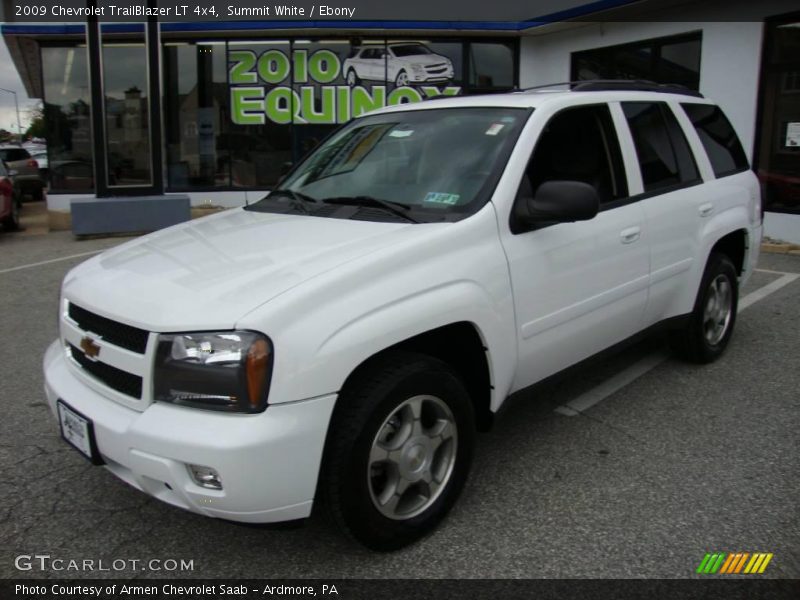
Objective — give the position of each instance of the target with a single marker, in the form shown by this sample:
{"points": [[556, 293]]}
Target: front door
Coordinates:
{"points": [[578, 287]]}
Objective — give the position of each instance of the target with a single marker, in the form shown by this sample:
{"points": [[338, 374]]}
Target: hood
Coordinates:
{"points": [[208, 273], [426, 59]]}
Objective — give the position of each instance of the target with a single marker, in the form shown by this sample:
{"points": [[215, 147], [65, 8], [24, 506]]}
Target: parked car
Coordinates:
{"points": [[371, 314], [40, 156], [28, 177], [405, 63], [9, 200]]}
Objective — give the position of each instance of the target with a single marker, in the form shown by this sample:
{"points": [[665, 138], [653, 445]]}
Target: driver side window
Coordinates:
{"points": [[578, 144]]}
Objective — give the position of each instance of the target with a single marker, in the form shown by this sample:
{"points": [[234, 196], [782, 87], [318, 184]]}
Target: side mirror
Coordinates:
{"points": [[562, 202]]}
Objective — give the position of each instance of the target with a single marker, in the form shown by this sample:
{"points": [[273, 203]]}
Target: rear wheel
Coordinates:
{"points": [[707, 332], [399, 450]]}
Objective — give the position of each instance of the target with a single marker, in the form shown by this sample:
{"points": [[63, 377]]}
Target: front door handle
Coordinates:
{"points": [[630, 235], [705, 209]]}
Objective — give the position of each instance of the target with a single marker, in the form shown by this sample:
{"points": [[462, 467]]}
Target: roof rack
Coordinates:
{"points": [[606, 85]]}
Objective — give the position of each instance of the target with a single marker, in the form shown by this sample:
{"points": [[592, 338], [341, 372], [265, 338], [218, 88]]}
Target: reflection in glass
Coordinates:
{"points": [[196, 100], [779, 122], [258, 150], [68, 118], [491, 65], [127, 115]]}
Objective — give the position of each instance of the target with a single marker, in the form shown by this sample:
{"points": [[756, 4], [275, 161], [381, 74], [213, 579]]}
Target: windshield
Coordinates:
{"points": [[410, 50], [430, 162]]}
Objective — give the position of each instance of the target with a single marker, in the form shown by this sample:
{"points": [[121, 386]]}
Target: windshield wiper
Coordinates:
{"points": [[299, 200], [396, 208]]}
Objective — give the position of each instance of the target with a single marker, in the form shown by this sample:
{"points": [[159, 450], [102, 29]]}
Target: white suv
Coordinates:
{"points": [[345, 337]]}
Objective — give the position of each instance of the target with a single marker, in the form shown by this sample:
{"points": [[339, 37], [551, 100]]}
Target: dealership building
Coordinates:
{"points": [[144, 120]]}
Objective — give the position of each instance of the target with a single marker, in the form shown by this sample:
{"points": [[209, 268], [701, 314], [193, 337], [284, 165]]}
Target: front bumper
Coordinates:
{"points": [[268, 462]]}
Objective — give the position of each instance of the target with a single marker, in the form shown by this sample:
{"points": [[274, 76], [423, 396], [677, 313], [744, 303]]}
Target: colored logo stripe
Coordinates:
{"points": [[734, 563]]}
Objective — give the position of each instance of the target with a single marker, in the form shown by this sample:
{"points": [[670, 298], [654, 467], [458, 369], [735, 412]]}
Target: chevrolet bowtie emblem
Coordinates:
{"points": [[90, 348]]}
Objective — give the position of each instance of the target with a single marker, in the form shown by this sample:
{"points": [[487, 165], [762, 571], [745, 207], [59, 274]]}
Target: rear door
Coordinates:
{"points": [[673, 202], [578, 287]]}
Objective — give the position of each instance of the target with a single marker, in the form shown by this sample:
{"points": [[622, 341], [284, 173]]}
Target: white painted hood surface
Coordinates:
{"points": [[208, 273]]}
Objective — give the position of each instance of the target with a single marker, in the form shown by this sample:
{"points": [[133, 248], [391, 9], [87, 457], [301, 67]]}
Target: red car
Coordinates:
{"points": [[780, 188], [9, 200]]}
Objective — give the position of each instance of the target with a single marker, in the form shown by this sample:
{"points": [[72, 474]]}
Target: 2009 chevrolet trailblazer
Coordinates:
{"points": [[345, 337]]}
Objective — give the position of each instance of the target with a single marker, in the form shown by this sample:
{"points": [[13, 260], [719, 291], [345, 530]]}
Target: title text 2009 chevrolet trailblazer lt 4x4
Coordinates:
{"points": [[345, 337]]}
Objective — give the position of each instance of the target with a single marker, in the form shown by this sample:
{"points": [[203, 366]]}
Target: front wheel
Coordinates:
{"points": [[401, 80], [707, 332], [352, 78], [399, 450]]}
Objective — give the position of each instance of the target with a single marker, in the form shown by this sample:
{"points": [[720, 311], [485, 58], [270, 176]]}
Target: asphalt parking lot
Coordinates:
{"points": [[664, 467]]}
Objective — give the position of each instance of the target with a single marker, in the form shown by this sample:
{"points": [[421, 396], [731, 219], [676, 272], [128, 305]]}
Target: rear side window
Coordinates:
{"points": [[665, 158], [12, 154], [719, 139]]}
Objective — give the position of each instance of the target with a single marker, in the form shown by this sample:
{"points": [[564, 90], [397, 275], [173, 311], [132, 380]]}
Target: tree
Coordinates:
{"points": [[37, 128]]}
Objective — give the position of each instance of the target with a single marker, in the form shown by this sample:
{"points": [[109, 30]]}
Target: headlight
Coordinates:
{"points": [[417, 67], [219, 370]]}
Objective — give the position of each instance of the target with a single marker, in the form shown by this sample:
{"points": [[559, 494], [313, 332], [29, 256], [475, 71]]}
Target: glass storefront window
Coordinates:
{"points": [[196, 102], [778, 146], [491, 66], [258, 135], [673, 59], [127, 114], [67, 117]]}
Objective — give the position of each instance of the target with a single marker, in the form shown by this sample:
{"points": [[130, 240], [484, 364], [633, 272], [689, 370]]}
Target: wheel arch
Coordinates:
{"points": [[462, 346]]}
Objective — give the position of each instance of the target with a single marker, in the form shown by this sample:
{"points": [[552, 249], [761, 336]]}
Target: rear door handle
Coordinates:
{"points": [[705, 209], [630, 235]]}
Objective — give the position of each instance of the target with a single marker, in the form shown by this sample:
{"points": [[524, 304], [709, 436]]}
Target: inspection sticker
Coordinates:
{"points": [[401, 133], [494, 128], [441, 198]]}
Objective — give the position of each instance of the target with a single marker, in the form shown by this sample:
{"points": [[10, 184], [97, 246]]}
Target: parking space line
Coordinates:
{"points": [[52, 260], [768, 289], [627, 376]]}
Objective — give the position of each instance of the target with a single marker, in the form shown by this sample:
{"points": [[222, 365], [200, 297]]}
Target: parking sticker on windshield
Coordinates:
{"points": [[494, 128], [441, 198], [401, 133]]}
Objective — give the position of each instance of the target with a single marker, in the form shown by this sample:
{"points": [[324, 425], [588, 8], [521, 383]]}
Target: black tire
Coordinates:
{"points": [[362, 413], [11, 222], [692, 342]]}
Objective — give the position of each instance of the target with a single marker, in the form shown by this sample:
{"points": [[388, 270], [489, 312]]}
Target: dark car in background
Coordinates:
{"points": [[25, 170]]}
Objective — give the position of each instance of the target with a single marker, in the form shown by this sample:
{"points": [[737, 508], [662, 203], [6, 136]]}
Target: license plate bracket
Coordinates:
{"points": [[78, 431]]}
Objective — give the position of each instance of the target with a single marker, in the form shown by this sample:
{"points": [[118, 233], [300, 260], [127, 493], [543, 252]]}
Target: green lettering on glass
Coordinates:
{"points": [[273, 66], [324, 66], [278, 105], [431, 91], [242, 69], [327, 97], [403, 95], [247, 105], [364, 100], [342, 104], [300, 66]]}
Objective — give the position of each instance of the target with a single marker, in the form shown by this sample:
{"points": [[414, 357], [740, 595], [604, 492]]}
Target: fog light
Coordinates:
{"points": [[205, 477]]}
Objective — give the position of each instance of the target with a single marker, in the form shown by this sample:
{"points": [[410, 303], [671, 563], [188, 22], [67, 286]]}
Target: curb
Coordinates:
{"points": [[774, 248]]}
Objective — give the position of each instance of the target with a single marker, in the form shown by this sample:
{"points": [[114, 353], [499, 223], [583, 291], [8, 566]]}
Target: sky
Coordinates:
{"points": [[9, 79]]}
